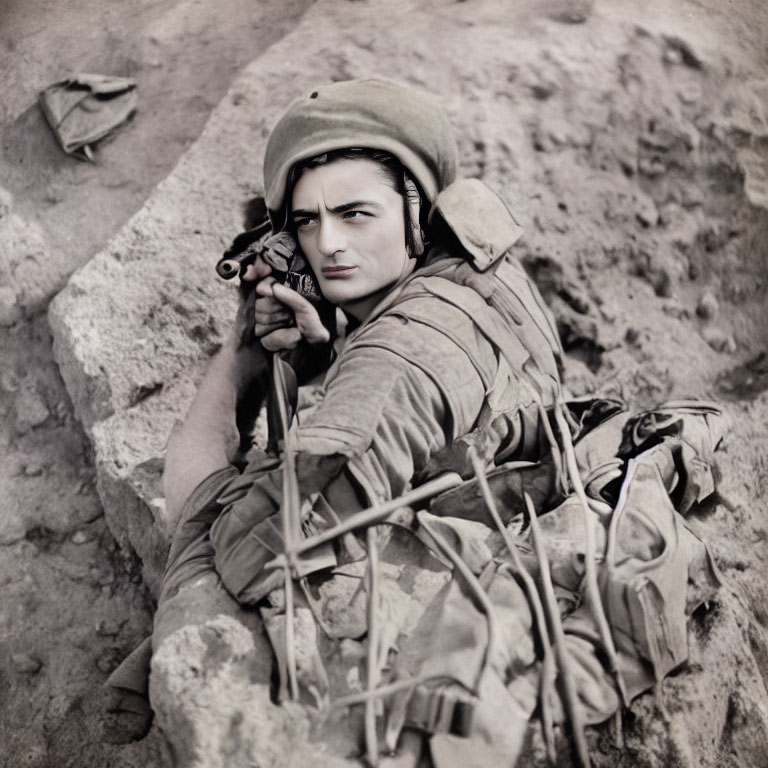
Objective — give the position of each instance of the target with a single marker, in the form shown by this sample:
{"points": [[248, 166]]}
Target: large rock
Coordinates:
{"points": [[26, 282], [205, 669], [130, 446], [595, 133]]}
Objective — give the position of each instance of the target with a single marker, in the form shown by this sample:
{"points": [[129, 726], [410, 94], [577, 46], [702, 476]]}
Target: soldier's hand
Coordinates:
{"points": [[256, 271], [244, 322], [269, 313], [304, 319]]}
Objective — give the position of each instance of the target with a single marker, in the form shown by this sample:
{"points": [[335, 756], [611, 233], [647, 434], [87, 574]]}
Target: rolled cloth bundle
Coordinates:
{"points": [[375, 114]]}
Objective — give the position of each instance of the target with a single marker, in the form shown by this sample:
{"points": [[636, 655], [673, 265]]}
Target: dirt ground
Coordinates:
{"points": [[73, 604]]}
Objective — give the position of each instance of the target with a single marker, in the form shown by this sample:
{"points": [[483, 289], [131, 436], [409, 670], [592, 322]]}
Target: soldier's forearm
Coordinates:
{"points": [[208, 439]]}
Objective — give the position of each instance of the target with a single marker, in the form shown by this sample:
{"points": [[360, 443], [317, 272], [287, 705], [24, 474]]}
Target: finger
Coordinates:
{"points": [[307, 319], [269, 304], [257, 271], [273, 318], [285, 338], [262, 329], [250, 273], [264, 286]]}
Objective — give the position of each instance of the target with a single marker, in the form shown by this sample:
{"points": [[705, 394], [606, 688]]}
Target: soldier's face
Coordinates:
{"points": [[351, 227]]}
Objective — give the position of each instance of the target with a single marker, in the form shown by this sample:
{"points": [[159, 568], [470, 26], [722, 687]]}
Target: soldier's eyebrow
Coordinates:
{"points": [[343, 208]]}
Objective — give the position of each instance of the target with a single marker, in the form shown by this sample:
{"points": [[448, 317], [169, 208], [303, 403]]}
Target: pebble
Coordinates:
{"points": [[24, 662], [32, 468], [673, 56], [108, 627], [353, 680], [679, 51], [718, 339], [632, 335], [646, 211], [662, 284], [708, 306], [674, 308], [651, 166], [107, 579], [53, 194], [6, 202], [608, 315], [107, 660], [570, 11], [691, 196], [31, 410], [351, 650], [9, 381], [10, 311], [80, 537], [690, 93]]}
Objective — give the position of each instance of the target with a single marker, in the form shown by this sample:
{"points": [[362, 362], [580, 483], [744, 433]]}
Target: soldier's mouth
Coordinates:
{"points": [[337, 270]]}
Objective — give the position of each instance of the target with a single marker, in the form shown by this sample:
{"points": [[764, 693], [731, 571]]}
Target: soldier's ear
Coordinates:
{"points": [[414, 212]]}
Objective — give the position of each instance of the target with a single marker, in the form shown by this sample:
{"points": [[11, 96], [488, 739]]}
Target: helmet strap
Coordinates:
{"points": [[413, 200]]}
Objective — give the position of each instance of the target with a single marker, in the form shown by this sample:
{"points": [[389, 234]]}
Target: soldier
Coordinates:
{"points": [[447, 360]]}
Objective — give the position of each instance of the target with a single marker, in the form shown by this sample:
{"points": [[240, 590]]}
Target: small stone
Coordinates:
{"points": [[353, 679], [689, 94], [651, 166], [351, 650], [631, 336], [26, 663], [673, 56], [646, 211], [708, 306], [61, 411], [540, 140], [570, 11], [542, 91], [679, 51], [674, 308], [80, 537], [6, 202], [607, 314], [718, 339], [754, 166], [53, 195], [691, 196], [662, 283], [9, 381], [108, 627], [108, 660], [31, 410], [110, 546], [10, 311], [32, 468], [25, 266]]}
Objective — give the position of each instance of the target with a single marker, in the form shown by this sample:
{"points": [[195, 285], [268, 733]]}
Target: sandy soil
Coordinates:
{"points": [[73, 604]]}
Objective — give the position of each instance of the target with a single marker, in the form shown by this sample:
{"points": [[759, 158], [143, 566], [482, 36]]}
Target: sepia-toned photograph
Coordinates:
{"points": [[384, 383]]}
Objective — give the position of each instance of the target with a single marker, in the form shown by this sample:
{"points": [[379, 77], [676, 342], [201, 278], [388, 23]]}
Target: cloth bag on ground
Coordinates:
{"points": [[84, 108]]}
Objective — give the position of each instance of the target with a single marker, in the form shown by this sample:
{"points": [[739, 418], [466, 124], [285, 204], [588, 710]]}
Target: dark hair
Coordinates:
{"points": [[391, 167]]}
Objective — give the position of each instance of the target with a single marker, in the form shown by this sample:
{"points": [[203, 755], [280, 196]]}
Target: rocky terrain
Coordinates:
{"points": [[631, 145]]}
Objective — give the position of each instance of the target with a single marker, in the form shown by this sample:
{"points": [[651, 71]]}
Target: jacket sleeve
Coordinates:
{"points": [[379, 420]]}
